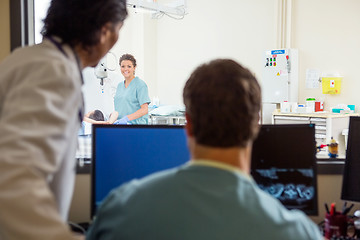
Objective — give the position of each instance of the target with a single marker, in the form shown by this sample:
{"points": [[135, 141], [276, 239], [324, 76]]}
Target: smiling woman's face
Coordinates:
{"points": [[127, 69]]}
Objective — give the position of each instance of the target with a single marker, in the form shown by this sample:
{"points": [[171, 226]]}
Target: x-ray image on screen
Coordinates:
{"points": [[293, 187], [284, 165]]}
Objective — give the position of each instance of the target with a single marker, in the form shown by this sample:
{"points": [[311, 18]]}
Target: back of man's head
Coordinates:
{"points": [[223, 100]]}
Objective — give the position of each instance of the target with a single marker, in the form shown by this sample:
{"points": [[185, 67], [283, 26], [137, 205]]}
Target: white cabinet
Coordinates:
{"points": [[327, 125]]}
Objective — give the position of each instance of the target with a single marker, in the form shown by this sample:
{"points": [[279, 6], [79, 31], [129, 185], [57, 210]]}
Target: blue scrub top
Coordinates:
{"points": [[129, 100]]}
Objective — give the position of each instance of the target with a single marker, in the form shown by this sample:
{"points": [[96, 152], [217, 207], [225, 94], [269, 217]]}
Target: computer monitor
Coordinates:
{"points": [[351, 176], [284, 165], [124, 152]]}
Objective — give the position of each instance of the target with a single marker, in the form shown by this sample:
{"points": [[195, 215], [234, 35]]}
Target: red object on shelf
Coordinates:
{"points": [[319, 106]]}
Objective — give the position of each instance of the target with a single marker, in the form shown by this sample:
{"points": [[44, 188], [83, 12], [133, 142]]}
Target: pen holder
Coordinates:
{"points": [[335, 225]]}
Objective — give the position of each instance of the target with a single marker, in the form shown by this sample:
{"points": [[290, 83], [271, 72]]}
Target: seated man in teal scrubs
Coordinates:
{"points": [[213, 196]]}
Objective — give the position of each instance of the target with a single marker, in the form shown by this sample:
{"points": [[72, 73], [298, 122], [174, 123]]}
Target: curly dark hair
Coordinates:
{"points": [[128, 57], [223, 101], [80, 21]]}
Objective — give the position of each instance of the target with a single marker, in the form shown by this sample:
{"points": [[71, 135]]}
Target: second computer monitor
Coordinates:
{"points": [[351, 177], [284, 165]]}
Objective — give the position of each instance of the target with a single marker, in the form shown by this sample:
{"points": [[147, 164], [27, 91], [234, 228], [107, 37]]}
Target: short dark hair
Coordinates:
{"points": [[97, 115], [128, 57], [80, 21], [223, 101]]}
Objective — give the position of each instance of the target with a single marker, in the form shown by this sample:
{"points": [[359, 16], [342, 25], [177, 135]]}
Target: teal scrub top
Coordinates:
{"points": [[196, 202], [129, 100]]}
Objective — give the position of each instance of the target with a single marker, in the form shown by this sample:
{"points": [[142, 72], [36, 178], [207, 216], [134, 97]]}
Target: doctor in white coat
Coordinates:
{"points": [[41, 108]]}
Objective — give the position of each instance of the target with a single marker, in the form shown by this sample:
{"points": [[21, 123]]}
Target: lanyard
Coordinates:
{"points": [[61, 49], [58, 45]]}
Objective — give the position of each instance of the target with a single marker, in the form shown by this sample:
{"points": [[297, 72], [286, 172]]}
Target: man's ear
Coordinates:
{"points": [[105, 31], [188, 126]]}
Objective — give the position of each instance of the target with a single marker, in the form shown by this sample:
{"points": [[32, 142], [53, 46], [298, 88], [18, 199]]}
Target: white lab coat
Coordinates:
{"points": [[40, 100]]}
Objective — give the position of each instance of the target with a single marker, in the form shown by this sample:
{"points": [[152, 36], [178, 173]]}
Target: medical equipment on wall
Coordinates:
{"points": [[175, 8], [331, 83], [101, 69], [280, 76], [279, 80]]}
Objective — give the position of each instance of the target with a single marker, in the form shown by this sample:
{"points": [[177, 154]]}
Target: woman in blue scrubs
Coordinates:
{"points": [[132, 98]]}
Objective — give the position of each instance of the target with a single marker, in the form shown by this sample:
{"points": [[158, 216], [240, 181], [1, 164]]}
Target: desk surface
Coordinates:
{"points": [[83, 165], [330, 166], [324, 166]]}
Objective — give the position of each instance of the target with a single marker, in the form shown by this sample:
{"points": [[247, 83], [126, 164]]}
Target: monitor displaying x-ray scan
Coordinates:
{"points": [[284, 165]]}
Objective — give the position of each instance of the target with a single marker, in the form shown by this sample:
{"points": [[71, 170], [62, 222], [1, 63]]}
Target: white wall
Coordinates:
{"points": [[168, 50], [240, 30], [327, 34]]}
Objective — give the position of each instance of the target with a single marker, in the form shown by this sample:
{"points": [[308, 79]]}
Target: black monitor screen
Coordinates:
{"points": [[351, 177], [124, 152], [284, 165]]}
